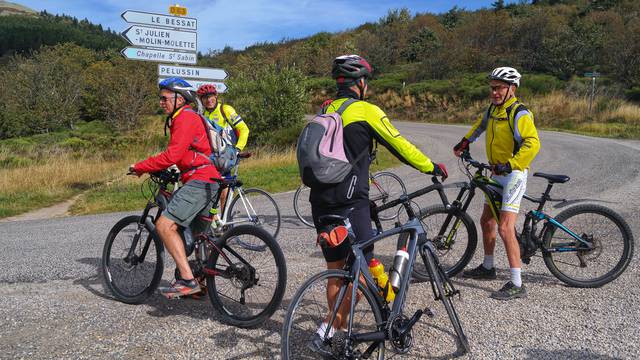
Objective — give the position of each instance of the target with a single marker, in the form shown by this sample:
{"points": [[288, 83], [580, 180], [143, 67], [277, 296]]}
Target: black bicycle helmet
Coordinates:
{"points": [[350, 67]]}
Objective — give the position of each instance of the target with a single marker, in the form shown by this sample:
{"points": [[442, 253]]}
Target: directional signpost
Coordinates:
{"points": [[169, 39], [133, 53], [593, 76], [145, 18], [192, 72]]}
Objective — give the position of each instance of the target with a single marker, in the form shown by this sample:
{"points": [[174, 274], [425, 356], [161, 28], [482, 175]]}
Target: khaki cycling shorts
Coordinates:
{"points": [[191, 201]]}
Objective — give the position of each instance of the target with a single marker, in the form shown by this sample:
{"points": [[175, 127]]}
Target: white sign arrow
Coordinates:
{"points": [[191, 72], [221, 87], [161, 38], [145, 18], [133, 53]]}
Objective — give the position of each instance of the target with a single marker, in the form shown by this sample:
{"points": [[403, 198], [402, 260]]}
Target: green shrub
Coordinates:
{"points": [[269, 99], [76, 144], [11, 162]]}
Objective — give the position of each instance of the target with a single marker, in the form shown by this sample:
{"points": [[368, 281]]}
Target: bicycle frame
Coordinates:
{"points": [[359, 270]]}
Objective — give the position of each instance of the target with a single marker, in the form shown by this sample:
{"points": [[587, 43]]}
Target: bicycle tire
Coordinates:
{"points": [[302, 207], [296, 332], [555, 261], [240, 265], [115, 270], [385, 187], [444, 293], [453, 258], [265, 212]]}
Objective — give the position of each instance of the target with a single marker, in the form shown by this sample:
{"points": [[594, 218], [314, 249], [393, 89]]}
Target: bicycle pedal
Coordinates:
{"points": [[429, 312], [526, 261]]}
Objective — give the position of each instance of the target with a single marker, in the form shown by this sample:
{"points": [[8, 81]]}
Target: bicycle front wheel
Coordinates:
{"points": [[132, 272], [246, 276], [309, 309], [604, 253], [454, 244], [383, 188], [257, 207], [443, 291], [302, 206]]}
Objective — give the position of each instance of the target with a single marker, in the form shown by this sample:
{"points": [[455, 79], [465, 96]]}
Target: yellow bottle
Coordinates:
{"points": [[381, 278]]}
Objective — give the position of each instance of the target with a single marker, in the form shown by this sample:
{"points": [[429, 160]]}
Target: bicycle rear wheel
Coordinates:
{"points": [[443, 290], [383, 188], [578, 265], [302, 206], [308, 309], [454, 244], [257, 207], [132, 277], [246, 276]]}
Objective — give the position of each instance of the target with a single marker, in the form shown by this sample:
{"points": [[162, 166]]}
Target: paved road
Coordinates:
{"points": [[54, 306]]}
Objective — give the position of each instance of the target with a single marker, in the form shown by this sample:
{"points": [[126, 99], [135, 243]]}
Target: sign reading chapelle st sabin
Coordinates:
{"points": [[169, 39]]}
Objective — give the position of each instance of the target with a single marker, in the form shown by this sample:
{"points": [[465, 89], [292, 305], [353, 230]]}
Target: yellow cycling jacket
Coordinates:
{"points": [[232, 121], [383, 131], [511, 134]]}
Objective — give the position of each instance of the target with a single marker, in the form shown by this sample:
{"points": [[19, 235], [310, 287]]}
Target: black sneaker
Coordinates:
{"points": [[320, 347], [480, 272], [510, 291]]}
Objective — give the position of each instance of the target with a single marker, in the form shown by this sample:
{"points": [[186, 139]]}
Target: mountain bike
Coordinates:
{"points": [[245, 283], [585, 245], [253, 206], [371, 321]]}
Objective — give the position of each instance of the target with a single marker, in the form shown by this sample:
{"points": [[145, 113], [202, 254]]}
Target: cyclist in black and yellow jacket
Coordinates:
{"points": [[363, 124], [228, 119], [512, 143]]}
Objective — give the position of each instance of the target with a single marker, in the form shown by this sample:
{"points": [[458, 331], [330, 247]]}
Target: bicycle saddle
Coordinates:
{"points": [[553, 178], [227, 182], [244, 155]]}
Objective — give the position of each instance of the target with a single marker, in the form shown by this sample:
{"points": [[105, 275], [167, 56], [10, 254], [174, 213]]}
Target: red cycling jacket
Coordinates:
{"points": [[187, 134]]}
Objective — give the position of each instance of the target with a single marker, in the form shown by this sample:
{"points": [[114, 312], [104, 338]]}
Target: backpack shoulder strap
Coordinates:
{"points": [[512, 112], [345, 105], [224, 116]]}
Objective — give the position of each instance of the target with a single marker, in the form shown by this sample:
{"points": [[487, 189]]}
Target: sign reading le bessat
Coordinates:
{"points": [[145, 18], [192, 72], [161, 38]]}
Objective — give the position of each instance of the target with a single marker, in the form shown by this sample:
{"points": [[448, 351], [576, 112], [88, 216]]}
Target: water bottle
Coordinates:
{"points": [[215, 222], [381, 278], [400, 262]]}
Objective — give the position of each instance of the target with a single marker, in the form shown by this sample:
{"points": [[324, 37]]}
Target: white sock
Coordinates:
{"points": [[488, 262], [516, 279], [323, 329]]}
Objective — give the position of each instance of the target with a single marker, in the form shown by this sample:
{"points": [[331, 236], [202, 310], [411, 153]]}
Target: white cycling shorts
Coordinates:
{"points": [[514, 185]]}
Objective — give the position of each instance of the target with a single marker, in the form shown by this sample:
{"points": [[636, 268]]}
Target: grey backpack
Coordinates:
{"points": [[321, 157]]}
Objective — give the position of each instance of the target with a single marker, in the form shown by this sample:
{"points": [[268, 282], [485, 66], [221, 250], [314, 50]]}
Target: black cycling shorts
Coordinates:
{"points": [[360, 219]]}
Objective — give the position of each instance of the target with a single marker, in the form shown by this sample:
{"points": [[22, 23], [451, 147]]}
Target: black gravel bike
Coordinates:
{"points": [[244, 267], [585, 245], [371, 323]]}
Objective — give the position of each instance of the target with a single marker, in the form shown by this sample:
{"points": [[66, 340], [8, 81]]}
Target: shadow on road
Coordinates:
{"points": [[565, 354]]}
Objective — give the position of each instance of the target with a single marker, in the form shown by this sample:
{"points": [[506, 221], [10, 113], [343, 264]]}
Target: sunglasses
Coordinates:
{"points": [[165, 99], [498, 88]]}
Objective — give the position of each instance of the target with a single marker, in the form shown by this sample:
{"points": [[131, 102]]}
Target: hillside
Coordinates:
{"points": [[9, 8], [22, 30]]}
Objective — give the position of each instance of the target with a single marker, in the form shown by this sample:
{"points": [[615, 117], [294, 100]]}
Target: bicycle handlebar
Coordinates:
{"points": [[466, 156]]}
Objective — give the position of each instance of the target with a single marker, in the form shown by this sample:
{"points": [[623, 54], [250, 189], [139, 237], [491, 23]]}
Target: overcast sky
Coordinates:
{"points": [[241, 23]]}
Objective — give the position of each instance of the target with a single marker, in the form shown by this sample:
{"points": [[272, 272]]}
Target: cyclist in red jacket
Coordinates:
{"points": [[189, 150]]}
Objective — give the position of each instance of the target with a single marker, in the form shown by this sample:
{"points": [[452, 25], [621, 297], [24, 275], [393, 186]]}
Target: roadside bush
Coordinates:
{"points": [[269, 99]]}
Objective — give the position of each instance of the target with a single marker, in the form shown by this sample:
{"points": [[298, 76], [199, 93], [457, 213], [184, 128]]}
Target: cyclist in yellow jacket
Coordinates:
{"points": [[512, 143], [227, 118]]}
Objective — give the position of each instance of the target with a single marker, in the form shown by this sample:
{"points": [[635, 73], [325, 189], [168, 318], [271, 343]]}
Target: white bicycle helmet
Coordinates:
{"points": [[506, 74]]}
